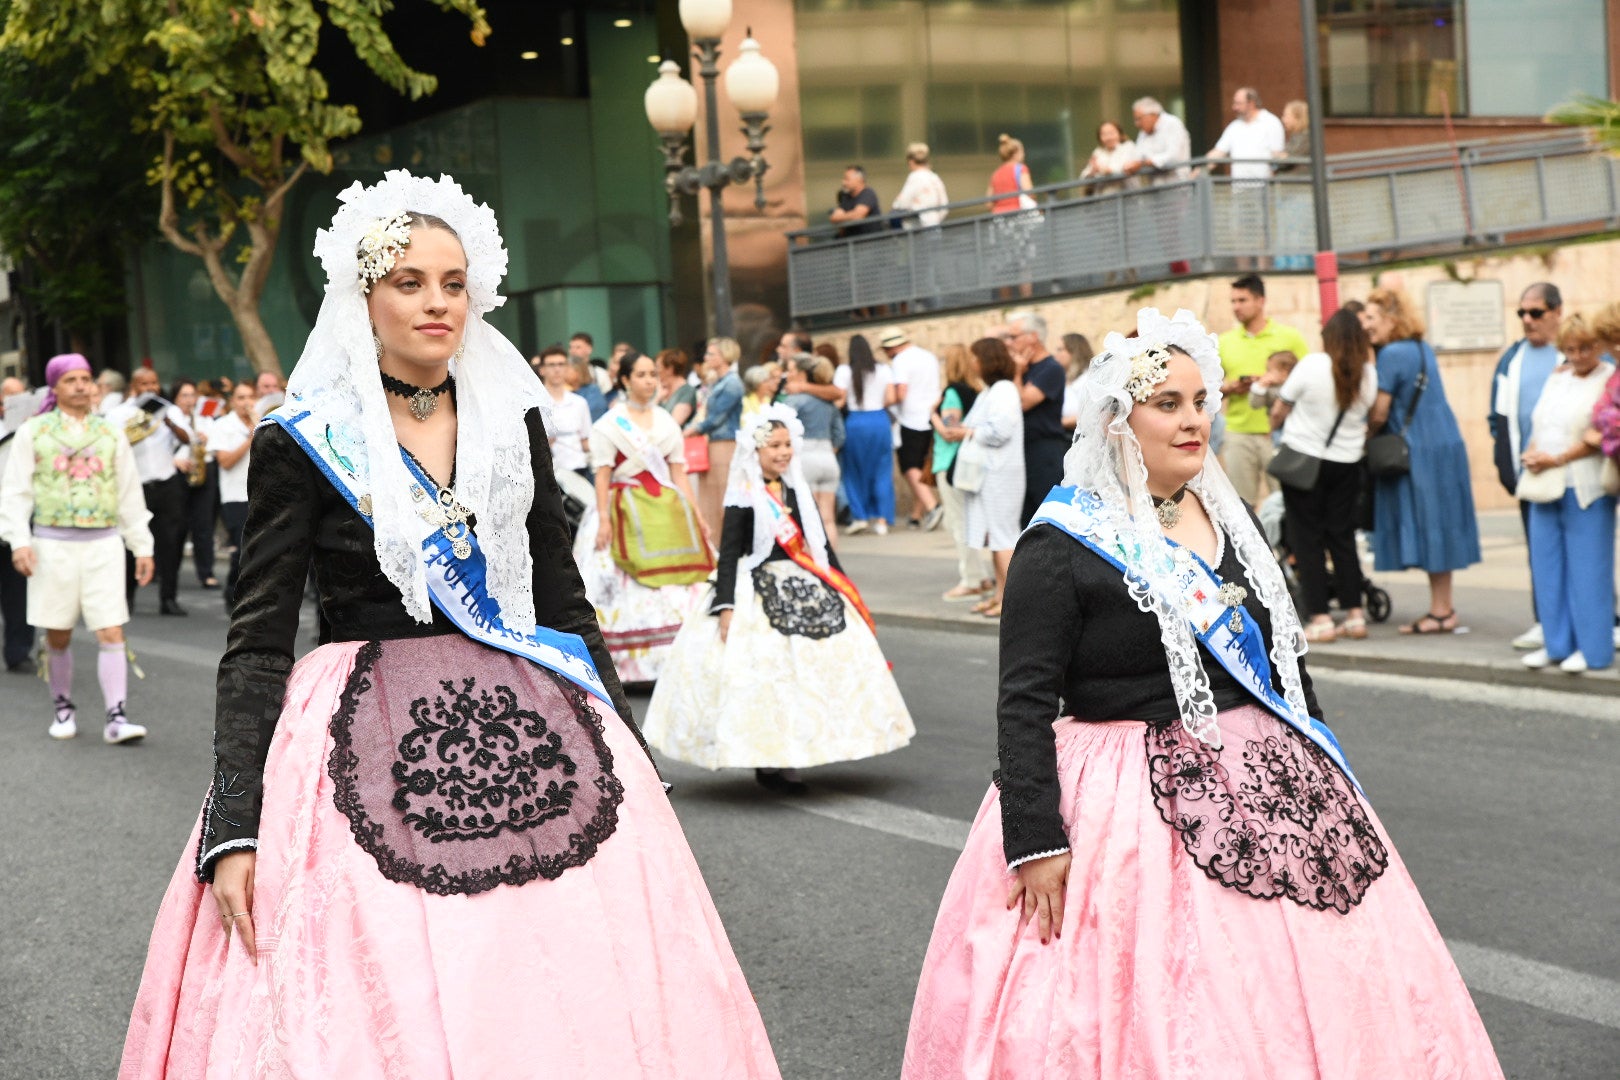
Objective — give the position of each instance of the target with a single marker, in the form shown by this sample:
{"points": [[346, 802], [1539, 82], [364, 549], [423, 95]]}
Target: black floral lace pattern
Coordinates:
{"points": [[1270, 816], [467, 755], [482, 790], [799, 604]]}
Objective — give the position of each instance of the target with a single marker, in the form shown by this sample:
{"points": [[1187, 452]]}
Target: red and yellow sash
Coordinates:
{"points": [[791, 539]]}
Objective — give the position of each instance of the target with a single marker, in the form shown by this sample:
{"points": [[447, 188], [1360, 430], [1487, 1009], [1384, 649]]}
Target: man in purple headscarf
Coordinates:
{"points": [[70, 502]]}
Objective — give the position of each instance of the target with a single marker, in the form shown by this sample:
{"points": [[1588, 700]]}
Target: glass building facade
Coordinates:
{"points": [[955, 74], [1481, 58], [573, 173]]}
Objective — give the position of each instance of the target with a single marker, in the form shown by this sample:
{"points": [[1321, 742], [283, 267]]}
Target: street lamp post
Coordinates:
{"points": [[1327, 260], [671, 104]]}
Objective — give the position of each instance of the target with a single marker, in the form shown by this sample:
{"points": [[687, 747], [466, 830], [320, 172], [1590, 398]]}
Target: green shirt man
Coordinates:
{"points": [[1243, 356]]}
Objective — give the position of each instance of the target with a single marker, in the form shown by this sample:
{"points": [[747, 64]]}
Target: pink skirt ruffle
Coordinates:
{"points": [[618, 968], [1165, 973]]}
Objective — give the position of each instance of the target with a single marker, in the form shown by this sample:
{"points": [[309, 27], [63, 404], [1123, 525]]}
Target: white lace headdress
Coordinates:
{"points": [[1107, 459], [337, 378], [745, 485]]}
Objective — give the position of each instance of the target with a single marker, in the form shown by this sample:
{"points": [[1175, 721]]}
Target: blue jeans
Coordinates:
{"points": [[868, 464], [1572, 564]]}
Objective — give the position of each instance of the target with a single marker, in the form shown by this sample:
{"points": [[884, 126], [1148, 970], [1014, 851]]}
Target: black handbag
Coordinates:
{"points": [[1297, 469], [1388, 455]]}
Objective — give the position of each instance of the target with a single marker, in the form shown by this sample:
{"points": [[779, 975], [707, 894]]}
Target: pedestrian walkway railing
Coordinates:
{"points": [[1087, 235]]}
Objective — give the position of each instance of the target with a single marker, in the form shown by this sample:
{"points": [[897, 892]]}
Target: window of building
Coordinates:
{"points": [[1464, 57]]}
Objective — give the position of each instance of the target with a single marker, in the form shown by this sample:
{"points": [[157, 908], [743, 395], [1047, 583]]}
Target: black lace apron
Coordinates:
{"points": [[461, 767]]}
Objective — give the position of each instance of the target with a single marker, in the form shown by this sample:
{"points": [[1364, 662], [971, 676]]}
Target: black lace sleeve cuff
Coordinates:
{"points": [[736, 540], [1041, 617]]}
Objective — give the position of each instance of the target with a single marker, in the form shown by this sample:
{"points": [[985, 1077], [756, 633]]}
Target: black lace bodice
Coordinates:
{"points": [[297, 520], [1073, 643], [737, 540]]}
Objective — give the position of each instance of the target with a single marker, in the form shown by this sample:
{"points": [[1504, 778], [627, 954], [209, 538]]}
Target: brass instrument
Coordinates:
{"points": [[199, 458]]}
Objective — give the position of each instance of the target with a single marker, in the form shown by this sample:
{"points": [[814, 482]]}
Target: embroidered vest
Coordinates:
{"points": [[75, 481]]}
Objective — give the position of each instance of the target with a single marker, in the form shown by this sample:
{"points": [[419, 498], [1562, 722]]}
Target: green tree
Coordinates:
{"points": [[1599, 114], [234, 95], [73, 196]]}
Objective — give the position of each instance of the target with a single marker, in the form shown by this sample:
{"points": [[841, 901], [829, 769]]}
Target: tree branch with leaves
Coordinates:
{"points": [[238, 100]]}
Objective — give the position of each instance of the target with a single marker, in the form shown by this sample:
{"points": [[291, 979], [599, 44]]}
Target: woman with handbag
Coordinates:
{"points": [[1571, 515], [989, 467], [1424, 503], [1325, 403]]}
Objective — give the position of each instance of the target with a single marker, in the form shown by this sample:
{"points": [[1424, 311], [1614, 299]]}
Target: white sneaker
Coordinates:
{"points": [[1538, 659], [1573, 664], [880, 528], [1532, 638], [120, 730], [66, 724], [854, 527]]}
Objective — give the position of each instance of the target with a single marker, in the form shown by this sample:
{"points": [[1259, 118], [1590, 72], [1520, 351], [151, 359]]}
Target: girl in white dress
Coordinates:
{"points": [[784, 671]]}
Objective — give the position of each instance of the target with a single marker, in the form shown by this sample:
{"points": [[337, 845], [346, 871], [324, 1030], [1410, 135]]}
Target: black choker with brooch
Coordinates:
{"points": [[423, 399], [1169, 510]]}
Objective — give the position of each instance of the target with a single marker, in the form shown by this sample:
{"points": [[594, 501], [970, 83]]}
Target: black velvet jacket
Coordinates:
{"points": [[296, 518], [1074, 643], [737, 541]]}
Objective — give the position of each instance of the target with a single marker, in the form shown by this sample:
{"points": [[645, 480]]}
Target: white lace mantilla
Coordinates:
{"points": [[337, 377], [1107, 459]]}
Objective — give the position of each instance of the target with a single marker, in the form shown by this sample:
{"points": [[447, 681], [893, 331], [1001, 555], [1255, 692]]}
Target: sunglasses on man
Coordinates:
{"points": [[1532, 312]]}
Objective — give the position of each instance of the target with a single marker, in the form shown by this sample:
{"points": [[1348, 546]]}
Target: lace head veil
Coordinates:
{"points": [[337, 378], [1106, 458], [745, 486]]}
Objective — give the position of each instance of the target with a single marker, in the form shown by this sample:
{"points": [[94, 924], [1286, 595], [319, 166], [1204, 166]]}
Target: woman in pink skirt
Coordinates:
{"points": [[1176, 874], [436, 844]]}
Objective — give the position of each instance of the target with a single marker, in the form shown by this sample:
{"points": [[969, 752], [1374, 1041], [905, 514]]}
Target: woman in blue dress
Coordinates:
{"points": [[1424, 519]]}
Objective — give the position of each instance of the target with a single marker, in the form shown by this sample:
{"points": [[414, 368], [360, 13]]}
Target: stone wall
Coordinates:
{"points": [[1588, 275]]}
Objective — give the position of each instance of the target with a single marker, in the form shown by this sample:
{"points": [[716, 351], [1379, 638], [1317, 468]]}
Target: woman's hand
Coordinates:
{"points": [[1041, 885], [604, 533], [725, 623], [1538, 460], [233, 895]]}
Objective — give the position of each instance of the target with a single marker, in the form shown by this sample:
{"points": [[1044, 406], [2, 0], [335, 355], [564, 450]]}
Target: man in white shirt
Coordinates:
{"points": [[570, 426], [1252, 139], [231, 439], [917, 386], [1162, 140], [157, 434]]}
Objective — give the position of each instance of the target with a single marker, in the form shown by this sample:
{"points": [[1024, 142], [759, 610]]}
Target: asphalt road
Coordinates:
{"points": [[1503, 803]]}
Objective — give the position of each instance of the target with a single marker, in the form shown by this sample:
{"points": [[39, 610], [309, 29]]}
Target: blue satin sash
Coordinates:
{"points": [[457, 586], [1241, 651]]}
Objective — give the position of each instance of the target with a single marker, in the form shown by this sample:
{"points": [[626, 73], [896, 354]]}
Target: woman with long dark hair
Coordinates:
{"points": [[196, 460], [1325, 403], [868, 444]]}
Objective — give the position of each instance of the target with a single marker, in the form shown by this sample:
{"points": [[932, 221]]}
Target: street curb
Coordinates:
{"points": [[1322, 658]]}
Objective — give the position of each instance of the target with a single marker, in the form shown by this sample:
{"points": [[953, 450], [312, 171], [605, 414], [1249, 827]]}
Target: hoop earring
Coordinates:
{"points": [[376, 343]]}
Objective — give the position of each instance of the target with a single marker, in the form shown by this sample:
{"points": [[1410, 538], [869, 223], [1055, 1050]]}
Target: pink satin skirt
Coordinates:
{"points": [[617, 968], [1164, 972]]}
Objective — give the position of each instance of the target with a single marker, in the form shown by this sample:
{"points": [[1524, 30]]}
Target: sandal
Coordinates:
{"points": [[1436, 624], [982, 606], [992, 610], [1354, 629], [958, 593], [1321, 633]]}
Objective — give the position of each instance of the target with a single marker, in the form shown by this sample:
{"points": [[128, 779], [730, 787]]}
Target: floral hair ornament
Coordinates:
{"points": [[381, 245], [1149, 368]]}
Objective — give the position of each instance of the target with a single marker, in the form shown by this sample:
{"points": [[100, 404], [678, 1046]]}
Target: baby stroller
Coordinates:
{"points": [[1375, 601]]}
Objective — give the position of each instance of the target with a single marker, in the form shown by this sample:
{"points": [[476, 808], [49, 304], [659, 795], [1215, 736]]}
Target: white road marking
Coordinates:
{"points": [[884, 817], [1496, 695], [1490, 971]]}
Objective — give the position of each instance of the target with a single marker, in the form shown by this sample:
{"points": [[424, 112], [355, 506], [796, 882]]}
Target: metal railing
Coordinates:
{"points": [[1086, 235]]}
